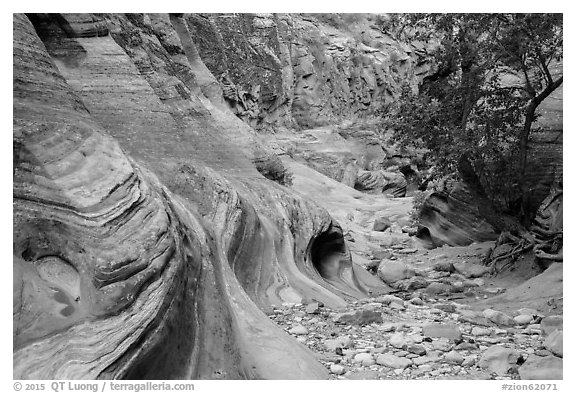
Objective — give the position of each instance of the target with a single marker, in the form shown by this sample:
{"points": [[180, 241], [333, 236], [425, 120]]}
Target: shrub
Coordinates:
{"points": [[417, 205]]}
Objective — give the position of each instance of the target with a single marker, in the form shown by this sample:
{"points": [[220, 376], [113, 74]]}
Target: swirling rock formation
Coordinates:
{"points": [[454, 218], [146, 244], [393, 183]]}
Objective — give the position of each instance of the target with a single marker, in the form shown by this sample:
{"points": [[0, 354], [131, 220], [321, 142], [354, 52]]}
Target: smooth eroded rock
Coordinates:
{"points": [[539, 367], [471, 270], [449, 331], [453, 357], [499, 359], [381, 224], [359, 317], [555, 343], [498, 317], [337, 369], [298, 330], [551, 323], [392, 271], [392, 361]]}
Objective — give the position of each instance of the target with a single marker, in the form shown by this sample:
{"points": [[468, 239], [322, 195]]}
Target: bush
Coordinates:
{"points": [[417, 205]]}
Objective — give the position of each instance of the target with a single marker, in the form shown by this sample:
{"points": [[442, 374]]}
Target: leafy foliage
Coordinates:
{"points": [[417, 204], [477, 109]]}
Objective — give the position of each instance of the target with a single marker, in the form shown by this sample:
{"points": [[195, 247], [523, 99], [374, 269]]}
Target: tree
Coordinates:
{"points": [[468, 113], [528, 44]]}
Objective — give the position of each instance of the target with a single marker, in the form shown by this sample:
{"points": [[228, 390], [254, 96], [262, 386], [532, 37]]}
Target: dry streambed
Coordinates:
{"points": [[410, 337]]}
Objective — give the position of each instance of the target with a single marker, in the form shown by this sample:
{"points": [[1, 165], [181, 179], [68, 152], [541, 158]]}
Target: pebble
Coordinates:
{"points": [[398, 340], [360, 317], [423, 369], [523, 319], [469, 361], [449, 331], [298, 330], [437, 288], [364, 358], [387, 299], [392, 361], [313, 308], [416, 338], [444, 266], [442, 344], [473, 317], [341, 341], [337, 369], [466, 346], [416, 301], [478, 331], [453, 357], [417, 349], [498, 317], [392, 271], [542, 352], [499, 359]]}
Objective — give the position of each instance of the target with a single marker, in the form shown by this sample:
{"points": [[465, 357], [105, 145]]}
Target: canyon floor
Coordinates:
{"points": [[442, 322]]}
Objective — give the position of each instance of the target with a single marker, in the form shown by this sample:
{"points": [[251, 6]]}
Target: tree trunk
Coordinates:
{"points": [[525, 214], [469, 175], [524, 137]]}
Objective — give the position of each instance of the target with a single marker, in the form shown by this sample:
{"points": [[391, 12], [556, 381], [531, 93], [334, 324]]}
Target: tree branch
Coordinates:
{"points": [[544, 66], [548, 90], [529, 86]]}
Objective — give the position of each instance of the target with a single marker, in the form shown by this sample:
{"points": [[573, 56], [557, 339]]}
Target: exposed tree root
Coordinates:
{"points": [[545, 238]]}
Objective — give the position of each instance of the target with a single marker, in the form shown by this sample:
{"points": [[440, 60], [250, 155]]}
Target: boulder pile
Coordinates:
{"points": [[414, 336]]}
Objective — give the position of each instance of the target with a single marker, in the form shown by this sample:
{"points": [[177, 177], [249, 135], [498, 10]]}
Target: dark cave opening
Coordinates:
{"points": [[327, 252]]}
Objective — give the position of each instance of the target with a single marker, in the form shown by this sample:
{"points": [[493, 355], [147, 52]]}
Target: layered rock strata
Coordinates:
{"points": [[155, 266], [454, 218], [305, 70]]}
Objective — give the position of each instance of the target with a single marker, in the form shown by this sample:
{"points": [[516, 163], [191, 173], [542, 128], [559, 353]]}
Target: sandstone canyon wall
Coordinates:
{"points": [[305, 70], [146, 244]]}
